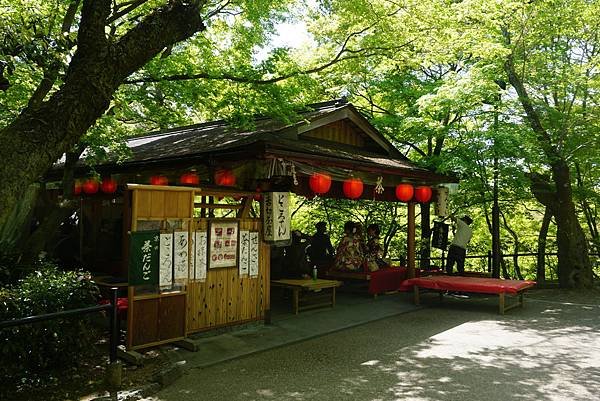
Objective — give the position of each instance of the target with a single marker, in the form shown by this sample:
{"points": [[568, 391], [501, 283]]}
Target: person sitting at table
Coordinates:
{"points": [[321, 251], [295, 262], [349, 254], [374, 253]]}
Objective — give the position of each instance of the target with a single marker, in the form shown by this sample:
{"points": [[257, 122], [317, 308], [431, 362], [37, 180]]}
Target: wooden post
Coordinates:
{"points": [[410, 248]]}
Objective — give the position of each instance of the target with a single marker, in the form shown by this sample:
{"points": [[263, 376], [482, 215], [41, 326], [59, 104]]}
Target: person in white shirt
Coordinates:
{"points": [[458, 248]]}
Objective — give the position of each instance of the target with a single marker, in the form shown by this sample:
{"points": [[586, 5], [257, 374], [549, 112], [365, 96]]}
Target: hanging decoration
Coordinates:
{"points": [[404, 192], [379, 185], [77, 187], [257, 196], [423, 194], [190, 178], [159, 180], [109, 185], [90, 186], [225, 178], [353, 188], [294, 176], [319, 183]]}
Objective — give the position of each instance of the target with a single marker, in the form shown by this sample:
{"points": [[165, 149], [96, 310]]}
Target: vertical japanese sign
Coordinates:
{"points": [[268, 212], [253, 255], [201, 248], [181, 254], [166, 259], [244, 252], [143, 258], [276, 219], [223, 244]]}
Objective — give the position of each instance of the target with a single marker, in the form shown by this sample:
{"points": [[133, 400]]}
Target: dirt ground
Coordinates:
{"points": [[86, 381]]}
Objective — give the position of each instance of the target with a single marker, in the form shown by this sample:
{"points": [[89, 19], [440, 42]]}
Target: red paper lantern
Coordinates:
{"points": [[77, 188], [404, 192], [189, 178], [225, 178], [108, 186], [353, 188], [159, 180], [257, 197], [320, 183], [90, 186], [423, 194]]}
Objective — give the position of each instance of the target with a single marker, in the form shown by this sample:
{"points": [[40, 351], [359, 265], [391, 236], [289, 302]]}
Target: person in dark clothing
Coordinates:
{"points": [[374, 254], [321, 251], [295, 261]]}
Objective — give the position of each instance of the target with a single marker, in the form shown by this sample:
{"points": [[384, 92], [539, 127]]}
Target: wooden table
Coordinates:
{"points": [[303, 292]]}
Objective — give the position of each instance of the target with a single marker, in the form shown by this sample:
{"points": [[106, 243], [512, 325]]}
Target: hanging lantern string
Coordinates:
{"points": [[379, 185]]}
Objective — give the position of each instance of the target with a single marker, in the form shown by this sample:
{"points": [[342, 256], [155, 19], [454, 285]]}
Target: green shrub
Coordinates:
{"points": [[30, 351]]}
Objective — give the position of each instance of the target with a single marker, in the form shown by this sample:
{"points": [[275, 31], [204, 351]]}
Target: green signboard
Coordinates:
{"points": [[143, 258]]}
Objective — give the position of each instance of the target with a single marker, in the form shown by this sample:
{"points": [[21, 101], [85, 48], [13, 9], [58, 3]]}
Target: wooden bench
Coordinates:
{"points": [[474, 285], [305, 292]]}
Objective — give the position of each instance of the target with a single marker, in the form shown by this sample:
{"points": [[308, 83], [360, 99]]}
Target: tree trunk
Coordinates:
{"points": [[515, 237], [574, 266], [541, 253], [39, 136]]}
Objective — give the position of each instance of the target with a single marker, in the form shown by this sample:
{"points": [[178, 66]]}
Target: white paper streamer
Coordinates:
{"points": [[253, 255], [200, 255], [165, 255], [181, 254], [244, 255]]}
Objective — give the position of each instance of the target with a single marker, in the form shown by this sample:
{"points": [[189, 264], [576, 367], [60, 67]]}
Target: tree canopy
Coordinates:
{"points": [[499, 91]]}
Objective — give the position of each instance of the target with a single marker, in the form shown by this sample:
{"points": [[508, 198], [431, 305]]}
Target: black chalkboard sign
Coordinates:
{"points": [[439, 238]]}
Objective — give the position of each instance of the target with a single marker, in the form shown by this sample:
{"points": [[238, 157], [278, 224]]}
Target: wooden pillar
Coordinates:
{"points": [[410, 249]]}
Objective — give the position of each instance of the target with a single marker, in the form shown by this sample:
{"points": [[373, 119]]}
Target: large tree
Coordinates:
{"points": [[546, 51], [64, 64]]}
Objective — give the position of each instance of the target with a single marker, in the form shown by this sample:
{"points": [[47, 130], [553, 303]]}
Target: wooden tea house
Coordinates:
{"points": [[179, 220]]}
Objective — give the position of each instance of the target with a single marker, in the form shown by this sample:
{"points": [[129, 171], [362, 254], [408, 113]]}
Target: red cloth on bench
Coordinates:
{"points": [[471, 284], [387, 279]]}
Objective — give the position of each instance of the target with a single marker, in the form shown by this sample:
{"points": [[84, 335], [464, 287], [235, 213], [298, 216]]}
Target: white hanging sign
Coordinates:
{"points": [[181, 254], [253, 255], [165, 255], [201, 247], [276, 219], [244, 253]]}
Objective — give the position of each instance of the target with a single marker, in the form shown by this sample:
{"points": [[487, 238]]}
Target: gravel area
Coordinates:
{"points": [[458, 350]]}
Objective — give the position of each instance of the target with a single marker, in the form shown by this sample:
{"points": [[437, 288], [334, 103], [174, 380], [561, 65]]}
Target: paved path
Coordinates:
{"points": [[461, 350]]}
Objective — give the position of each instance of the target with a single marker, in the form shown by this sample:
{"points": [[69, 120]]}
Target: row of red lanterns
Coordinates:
{"points": [[224, 178], [92, 185], [320, 184]]}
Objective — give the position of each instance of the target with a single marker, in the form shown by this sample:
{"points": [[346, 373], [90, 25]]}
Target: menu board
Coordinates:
{"points": [[165, 257], [181, 254], [200, 243], [253, 255], [244, 253], [223, 244]]}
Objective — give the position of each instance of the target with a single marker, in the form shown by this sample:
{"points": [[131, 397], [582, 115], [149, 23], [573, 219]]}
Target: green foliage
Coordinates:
{"points": [[30, 351]]}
